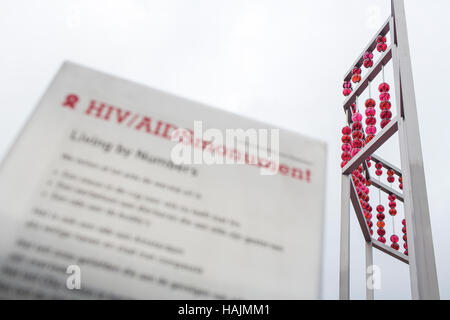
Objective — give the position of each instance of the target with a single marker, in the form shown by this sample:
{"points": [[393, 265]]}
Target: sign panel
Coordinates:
{"points": [[115, 190]]}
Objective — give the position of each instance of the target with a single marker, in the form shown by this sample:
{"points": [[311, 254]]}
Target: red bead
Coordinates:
{"points": [[357, 134], [392, 204], [381, 216], [356, 70], [356, 78], [392, 197], [382, 239], [346, 156], [406, 252], [390, 179], [380, 224], [386, 114], [380, 208], [401, 186], [381, 232], [356, 126], [343, 163], [346, 130], [368, 63], [395, 246], [404, 222], [357, 143], [405, 238], [394, 238], [384, 96], [378, 165], [385, 105], [405, 245], [381, 47], [384, 123], [346, 92], [384, 87], [378, 172], [370, 121], [392, 212], [381, 39], [390, 172], [346, 139], [404, 229], [370, 103]]}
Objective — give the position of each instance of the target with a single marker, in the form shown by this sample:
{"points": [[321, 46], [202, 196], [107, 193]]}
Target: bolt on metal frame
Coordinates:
{"points": [[421, 260]]}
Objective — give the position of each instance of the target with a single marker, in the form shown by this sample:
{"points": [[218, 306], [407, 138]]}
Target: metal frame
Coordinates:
{"points": [[421, 260]]}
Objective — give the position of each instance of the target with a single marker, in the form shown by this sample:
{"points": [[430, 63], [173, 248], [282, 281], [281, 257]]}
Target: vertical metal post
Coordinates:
{"points": [[369, 271], [424, 283], [344, 273]]}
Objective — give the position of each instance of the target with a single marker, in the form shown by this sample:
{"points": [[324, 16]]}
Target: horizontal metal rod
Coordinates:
{"points": [[359, 212], [387, 189], [374, 71], [370, 47], [372, 146], [386, 164], [386, 249]]}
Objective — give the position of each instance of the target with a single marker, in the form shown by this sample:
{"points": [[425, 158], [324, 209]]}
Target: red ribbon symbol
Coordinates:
{"points": [[71, 100]]}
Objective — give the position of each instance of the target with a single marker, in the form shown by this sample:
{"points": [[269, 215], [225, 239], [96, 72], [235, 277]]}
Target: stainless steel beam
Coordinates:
{"points": [[369, 274], [344, 269], [424, 282], [386, 249], [359, 212], [374, 71], [372, 146], [387, 189]]}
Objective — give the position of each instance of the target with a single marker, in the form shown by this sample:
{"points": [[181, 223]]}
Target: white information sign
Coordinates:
{"points": [[98, 201]]}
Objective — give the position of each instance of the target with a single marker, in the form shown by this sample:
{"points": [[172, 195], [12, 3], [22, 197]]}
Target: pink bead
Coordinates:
{"points": [[370, 112], [368, 55], [346, 92], [383, 87], [357, 143], [357, 117], [394, 238], [371, 130], [384, 96], [346, 147]]}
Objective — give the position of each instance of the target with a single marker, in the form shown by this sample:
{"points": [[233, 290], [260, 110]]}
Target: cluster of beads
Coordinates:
{"points": [[357, 133], [385, 105], [378, 166], [393, 212], [405, 245], [356, 75], [381, 44], [380, 224], [370, 119], [368, 59], [362, 189], [347, 88], [390, 177], [346, 145]]}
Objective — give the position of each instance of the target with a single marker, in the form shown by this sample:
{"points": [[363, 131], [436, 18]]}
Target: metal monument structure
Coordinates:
{"points": [[419, 253]]}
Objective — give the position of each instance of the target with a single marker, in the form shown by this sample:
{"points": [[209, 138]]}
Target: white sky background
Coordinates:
{"points": [[280, 61]]}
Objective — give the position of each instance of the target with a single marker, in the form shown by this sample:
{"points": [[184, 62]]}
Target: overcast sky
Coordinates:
{"points": [[280, 61]]}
